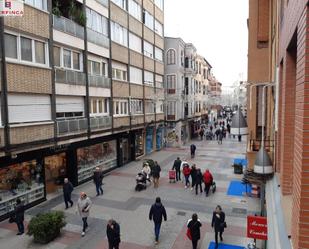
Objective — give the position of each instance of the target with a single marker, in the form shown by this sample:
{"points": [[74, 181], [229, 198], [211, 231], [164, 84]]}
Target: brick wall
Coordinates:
{"points": [[135, 26], [148, 64], [159, 68], [120, 53], [148, 5], [137, 91], [159, 41], [149, 118], [160, 117], [118, 15], [136, 59], [149, 92], [148, 35], [159, 14], [138, 120], [120, 89], [121, 121]]}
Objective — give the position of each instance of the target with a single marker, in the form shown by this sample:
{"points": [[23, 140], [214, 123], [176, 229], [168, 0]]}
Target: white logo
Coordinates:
{"points": [[11, 7]]}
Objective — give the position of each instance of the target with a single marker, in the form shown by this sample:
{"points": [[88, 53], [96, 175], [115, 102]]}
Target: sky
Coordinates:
{"points": [[218, 30]]}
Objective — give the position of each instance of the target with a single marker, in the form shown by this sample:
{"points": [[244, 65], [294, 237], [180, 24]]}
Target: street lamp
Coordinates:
{"points": [[239, 125]]}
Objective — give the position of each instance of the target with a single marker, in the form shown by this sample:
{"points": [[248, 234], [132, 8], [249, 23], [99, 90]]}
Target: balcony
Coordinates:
{"points": [[171, 91], [171, 117], [70, 77], [69, 126], [103, 2], [68, 26], [104, 122], [97, 38], [99, 81]]}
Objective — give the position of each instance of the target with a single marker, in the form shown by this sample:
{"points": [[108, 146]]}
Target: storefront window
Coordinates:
{"points": [[22, 180], [103, 155], [139, 144]]}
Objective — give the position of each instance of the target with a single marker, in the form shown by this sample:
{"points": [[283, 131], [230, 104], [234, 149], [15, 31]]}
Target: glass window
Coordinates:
{"points": [[57, 56], [171, 81], [26, 49], [159, 81], [171, 57], [119, 74], [39, 52], [119, 34], [148, 20], [40, 4], [158, 28], [104, 68], [158, 54], [148, 77], [100, 104], [94, 106], [148, 49], [96, 68], [96, 22], [120, 3], [106, 106], [67, 58], [135, 43], [135, 10], [76, 64], [136, 75], [10, 45], [159, 4]]}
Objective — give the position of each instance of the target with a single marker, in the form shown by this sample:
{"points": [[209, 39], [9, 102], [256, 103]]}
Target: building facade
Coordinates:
{"points": [[81, 87]]}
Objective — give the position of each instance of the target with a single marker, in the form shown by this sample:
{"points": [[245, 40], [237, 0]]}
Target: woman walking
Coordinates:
{"points": [[113, 234], [218, 223], [193, 175], [83, 207], [198, 181], [186, 173], [194, 225]]}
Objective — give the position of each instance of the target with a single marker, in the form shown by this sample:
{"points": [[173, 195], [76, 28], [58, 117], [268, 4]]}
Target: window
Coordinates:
{"points": [[119, 34], [159, 81], [99, 106], [136, 75], [120, 3], [135, 43], [159, 106], [171, 56], [97, 22], [25, 49], [159, 4], [67, 58], [69, 107], [148, 49], [171, 81], [148, 20], [182, 58], [148, 78], [136, 106], [119, 74], [158, 28], [171, 108], [135, 10], [158, 54], [121, 108], [29, 108], [149, 106], [40, 4], [97, 68], [57, 62]]}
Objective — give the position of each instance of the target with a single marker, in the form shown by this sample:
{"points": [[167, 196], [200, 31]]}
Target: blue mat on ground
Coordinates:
{"points": [[237, 188], [212, 245], [241, 161]]}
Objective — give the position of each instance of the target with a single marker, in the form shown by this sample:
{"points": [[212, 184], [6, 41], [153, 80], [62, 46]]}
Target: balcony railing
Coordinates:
{"points": [[75, 125], [70, 77], [103, 2], [68, 26], [97, 38], [101, 122], [99, 81]]}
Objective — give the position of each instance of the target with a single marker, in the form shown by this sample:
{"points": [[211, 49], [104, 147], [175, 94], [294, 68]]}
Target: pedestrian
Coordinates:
{"points": [[208, 180], [201, 133], [193, 176], [228, 127], [147, 171], [198, 181], [194, 225], [239, 138], [220, 136], [211, 128], [186, 172], [113, 234], [83, 207], [192, 150], [156, 174], [67, 191], [218, 223], [98, 180], [156, 213], [176, 166], [19, 213]]}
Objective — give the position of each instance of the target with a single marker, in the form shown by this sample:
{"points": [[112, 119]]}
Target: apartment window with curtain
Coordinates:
{"points": [[159, 81], [135, 10], [119, 74], [171, 57], [135, 43], [97, 22], [136, 75], [159, 106], [67, 58], [97, 67], [171, 108], [121, 107], [119, 34], [40, 4], [159, 4], [148, 20], [136, 106], [149, 107], [171, 82], [148, 78], [99, 107], [120, 3], [148, 49], [158, 28], [158, 54]]}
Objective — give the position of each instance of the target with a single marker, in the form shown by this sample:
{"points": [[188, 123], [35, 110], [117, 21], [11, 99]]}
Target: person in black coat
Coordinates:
{"points": [[156, 174], [192, 150], [218, 223], [193, 175], [194, 225], [113, 234], [156, 213], [19, 212], [67, 191], [176, 166], [198, 181], [98, 180]]}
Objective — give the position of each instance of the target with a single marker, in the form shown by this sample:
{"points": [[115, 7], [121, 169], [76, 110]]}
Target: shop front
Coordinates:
{"points": [[149, 139], [139, 144]]}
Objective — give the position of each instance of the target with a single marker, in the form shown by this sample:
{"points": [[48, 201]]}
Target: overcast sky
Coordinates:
{"points": [[217, 28]]}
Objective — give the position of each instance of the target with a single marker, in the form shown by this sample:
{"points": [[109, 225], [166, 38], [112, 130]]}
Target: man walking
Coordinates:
{"points": [[67, 191], [157, 212], [98, 180], [192, 150], [156, 174], [176, 166], [19, 212], [113, 234], [83, 207]]}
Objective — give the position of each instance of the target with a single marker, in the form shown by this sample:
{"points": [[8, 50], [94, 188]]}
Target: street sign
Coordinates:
{"points": [[257, 227]]}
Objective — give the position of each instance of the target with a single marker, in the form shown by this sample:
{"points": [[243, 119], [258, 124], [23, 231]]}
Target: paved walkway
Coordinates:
{"points": [[131, 208]]}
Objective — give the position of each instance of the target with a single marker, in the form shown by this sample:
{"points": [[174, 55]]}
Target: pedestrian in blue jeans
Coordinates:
{"points": [[98, 180], [157, 213]]}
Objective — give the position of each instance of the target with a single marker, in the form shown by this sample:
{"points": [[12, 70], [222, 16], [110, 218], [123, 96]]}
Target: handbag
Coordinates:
{"points": [[188, 233], [223, 225]]}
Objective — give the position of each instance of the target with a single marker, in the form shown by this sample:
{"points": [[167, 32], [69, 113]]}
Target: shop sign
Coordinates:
{"points": [[257, 227], [11, 7], [59, 148]]}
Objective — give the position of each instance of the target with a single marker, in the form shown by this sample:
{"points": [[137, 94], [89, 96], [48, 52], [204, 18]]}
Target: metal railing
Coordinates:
{"points": [[99, 81], [97, 38], [103, 2], [73, 125], [70, 77], [100, 122], [255, 144], [68, 26]]}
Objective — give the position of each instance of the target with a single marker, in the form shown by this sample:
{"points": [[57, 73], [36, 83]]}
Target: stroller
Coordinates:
{"points": [[141, 179]]}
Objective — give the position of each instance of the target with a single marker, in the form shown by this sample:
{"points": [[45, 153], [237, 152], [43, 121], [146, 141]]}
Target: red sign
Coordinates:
{"points": [[257, 227]]}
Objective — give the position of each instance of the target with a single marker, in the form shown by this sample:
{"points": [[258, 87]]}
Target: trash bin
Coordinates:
{"points": [[238, 169]]}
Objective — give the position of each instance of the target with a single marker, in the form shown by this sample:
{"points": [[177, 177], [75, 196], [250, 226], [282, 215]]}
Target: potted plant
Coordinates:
{"points": [[82, 19], [46, 227], [72, 10], [56, 9]]}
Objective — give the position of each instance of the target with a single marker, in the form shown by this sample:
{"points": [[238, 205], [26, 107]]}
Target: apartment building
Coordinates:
{"points": [[81, 87], [186, 77]]}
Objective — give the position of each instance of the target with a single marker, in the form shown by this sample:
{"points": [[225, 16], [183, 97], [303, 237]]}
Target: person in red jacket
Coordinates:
{"points": [[208, 179], [186, 173]]}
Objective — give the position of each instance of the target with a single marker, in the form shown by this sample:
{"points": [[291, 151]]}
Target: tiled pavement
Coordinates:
{"points": [[130, 208]]}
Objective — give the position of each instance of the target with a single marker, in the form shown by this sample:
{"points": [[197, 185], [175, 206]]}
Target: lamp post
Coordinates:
{"points": [[239, 125]]}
